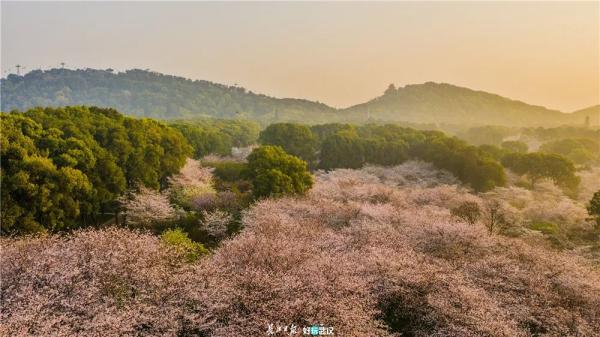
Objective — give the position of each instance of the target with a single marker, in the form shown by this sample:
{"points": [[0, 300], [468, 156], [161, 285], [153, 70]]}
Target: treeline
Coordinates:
{"points": [[63, 168], [331, 146], [66, 167], [146, 93], [581, 145], [495, 135], [217, 136], [537, 165], [581, 151]]}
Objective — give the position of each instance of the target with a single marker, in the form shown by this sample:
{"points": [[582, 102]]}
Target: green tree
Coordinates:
{"points": [[322, 131], [530, 165], [579, 150], [594, 208], [295, 139], [468, 163], [561, 171], [342, 150], [36, 193], [64, 168], [515, 146], [381, 152], [275, 173], [216, 135], [536, 166], [492, 151]]}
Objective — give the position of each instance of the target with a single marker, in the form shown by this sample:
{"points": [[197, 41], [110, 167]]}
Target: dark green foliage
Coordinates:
{"points": [[322, 131], [489, 134], [469, 164], [275, 173], [295, 139], [381, 152], [514, 146], [538, 165], [578, 150], [145, 93], [342, 151], [217, 136], [150, 94], [230, 176], [550, 134], [63, 168], [492, 151], [392, 145], [594, 208], [227, 170]]}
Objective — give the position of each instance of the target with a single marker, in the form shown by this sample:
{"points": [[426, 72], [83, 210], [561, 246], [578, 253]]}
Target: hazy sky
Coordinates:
{"points": [[338, 53]]}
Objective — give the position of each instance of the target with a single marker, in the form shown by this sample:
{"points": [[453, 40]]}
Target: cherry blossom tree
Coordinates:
{"points": [[358, 252], [147, 207], [192, 181], [215, 223]]}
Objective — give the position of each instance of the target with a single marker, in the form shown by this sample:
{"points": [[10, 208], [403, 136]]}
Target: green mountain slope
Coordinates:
{"points": [[145, 93], [151, 94], [444, 103], [592, 112]]}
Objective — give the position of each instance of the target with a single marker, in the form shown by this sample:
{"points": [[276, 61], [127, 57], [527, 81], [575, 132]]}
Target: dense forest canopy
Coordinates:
{"points": [[349, 146], [217, 136], [445, 103], [151, 94], [62, 168], [73, 163], [580, 144]]}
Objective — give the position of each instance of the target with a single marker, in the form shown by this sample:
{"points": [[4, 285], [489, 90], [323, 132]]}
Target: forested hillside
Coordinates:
{"points": [[217, 136], [151, 94], [64, 168], [444, 103], [593, 112], [73, 163]]}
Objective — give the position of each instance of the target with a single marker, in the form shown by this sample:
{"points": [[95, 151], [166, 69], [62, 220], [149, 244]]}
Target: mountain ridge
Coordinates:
{"points": [[146, 93]]}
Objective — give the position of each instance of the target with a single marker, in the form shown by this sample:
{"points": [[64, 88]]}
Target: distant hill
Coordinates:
{"points": [[151, 94], [593, 112], [444, 103]]}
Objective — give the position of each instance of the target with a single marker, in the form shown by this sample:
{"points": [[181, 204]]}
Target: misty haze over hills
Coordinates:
{"points": [[151, 94]]}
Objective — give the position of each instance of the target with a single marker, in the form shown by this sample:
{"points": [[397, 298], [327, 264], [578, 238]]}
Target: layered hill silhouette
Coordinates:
{"points": [[150, 94], [445, 103], [592, 112]]}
